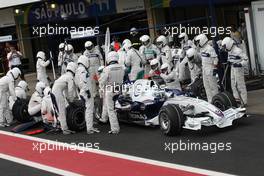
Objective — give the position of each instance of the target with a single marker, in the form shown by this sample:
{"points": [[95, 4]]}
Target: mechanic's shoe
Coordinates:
{"points": [[72, 132], [66, 132], [7, 124], [90, 132], [2, 125], [113, 132], [93, 130], [96, 130], [103, 120]]}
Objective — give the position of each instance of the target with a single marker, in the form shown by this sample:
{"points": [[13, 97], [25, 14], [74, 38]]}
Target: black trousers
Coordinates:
{"points": [[21, 69]]}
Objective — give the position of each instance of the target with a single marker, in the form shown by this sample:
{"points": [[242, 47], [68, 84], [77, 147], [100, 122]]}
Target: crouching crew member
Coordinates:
{"points": [[7, 88]]}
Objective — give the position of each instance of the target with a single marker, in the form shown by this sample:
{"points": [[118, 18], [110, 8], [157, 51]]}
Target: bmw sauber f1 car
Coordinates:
{"points": [[147, 103], [144, 102]]}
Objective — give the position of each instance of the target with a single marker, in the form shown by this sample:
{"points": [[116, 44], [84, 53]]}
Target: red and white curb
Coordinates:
{"points": [[19, 148]]}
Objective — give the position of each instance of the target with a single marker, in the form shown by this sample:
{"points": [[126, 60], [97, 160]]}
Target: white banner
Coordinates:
{"points": [[81, 34], [5, 38], [9, 3], [129, 5], [7, 18]]}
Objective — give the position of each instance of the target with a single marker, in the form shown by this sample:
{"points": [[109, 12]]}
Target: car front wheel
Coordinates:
{"points": [[171, 120]]}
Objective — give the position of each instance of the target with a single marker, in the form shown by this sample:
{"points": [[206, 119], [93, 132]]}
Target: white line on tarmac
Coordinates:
{"points": [[122, 156], [37, 165]]}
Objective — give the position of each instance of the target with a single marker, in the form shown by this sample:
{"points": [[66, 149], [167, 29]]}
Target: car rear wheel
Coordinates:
{"points": [[198, 89], [76, 116], [171, 119], [20, 111], [224, 101]]}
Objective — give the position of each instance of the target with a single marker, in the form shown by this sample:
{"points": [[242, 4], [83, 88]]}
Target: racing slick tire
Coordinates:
{"points": [[171, 119], [76, 116], [224, 101], [20, 111], [198, 89]]}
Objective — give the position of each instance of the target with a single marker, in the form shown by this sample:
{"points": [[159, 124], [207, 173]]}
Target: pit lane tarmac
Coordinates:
{"points": [[244, 158]]}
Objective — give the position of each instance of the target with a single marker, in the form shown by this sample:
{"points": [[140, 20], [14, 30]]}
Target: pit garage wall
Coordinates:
{"points": [[157, 12], [258, 21], [171, 11], [67, 12]]}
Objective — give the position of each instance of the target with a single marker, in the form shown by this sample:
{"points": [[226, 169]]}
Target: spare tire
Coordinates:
{"points": [[198, 89], [76, 116], [20, 111], [171, 119], [224, 101]]}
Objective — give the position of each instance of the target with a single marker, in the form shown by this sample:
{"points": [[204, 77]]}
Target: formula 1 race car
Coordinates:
{"points": [[146, 103]]}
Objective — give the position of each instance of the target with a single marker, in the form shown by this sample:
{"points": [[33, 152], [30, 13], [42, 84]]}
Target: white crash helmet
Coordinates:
{"points": [[23, 85], [154, 64], [112, 57], [89, 45], [127, 46], [190, 53], [72, 67], [15, 72], [145, 39], [41, 55], [201, 40], [126, 41], [84, 61], [40, 86], [133, 31], [165, 68], [227, 43], [69, 49], [161, 41], [183, 37], [61, 46]]}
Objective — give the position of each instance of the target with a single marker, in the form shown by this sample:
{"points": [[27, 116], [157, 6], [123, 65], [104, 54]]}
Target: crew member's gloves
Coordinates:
{"points": [[83, 100], [215, 72], [49, 79], [88, 94], [237, 65]]}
